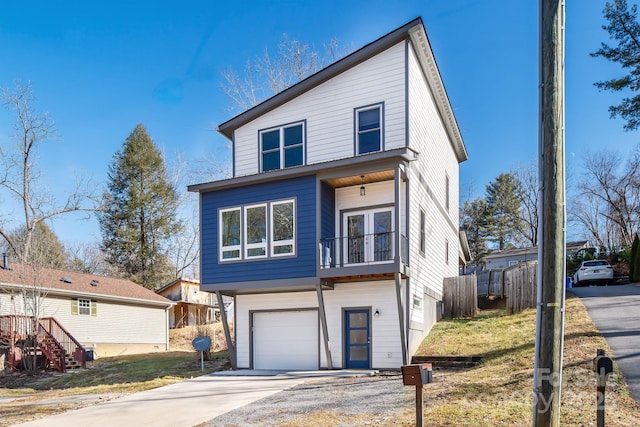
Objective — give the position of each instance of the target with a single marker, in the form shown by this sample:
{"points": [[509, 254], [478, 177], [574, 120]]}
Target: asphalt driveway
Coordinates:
{"points": [[615, 310]]}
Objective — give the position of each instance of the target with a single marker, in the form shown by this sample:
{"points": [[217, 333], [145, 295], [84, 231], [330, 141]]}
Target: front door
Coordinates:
{"points": [[357, 339]]}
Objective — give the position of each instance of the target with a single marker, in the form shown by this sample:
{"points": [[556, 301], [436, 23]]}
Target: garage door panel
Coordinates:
{"points": [[285, 340]]}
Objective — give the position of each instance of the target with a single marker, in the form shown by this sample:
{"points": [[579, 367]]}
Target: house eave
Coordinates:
{"points": [[89, 295], [404, 154]]}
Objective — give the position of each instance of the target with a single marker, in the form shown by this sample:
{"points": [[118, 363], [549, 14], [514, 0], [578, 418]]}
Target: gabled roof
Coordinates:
{"points": [[70, 283], [413, 31]]}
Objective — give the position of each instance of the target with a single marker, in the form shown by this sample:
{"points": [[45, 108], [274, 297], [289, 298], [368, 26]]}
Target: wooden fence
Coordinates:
{"points": [[460, 296], [521, 285]]}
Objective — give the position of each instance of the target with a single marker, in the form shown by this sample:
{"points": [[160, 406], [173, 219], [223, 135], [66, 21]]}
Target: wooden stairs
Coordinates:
{"points": [[43, 340]]}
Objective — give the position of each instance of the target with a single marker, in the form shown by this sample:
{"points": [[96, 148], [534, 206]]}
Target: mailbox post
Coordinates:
{"points": [[603, 367], [418, 375]]}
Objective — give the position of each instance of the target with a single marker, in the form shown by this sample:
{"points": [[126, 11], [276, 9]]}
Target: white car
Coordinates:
{"points": [[593, 271]]}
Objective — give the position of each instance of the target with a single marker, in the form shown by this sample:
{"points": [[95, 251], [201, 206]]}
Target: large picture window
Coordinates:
{"points": [[258, 231], [368, 129], [282, 147]]}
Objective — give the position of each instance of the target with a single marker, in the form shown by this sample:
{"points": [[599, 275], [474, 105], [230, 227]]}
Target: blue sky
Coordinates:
{"points": [[100, 67]]}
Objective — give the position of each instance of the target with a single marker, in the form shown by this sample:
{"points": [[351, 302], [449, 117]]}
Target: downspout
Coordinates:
{"points": [[227, 333], [401, 311], [166, 322]]}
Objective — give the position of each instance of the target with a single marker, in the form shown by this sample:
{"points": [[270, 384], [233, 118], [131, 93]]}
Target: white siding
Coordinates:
{"points": [[329, 112], [114, 323], [386, 350], [428, 175]]}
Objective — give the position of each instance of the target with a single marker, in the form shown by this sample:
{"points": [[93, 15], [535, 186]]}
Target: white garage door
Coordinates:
{"points": [[285, 340]]}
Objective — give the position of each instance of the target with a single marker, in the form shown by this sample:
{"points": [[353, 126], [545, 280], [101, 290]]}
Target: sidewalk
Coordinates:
{"points": [[187, 403]]}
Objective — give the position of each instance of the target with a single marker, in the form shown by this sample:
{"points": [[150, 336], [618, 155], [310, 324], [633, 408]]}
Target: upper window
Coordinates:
{"points": [[84, 307], [282, 147], [369, 129]]}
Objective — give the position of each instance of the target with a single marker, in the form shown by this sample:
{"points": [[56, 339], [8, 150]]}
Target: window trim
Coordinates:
{"points": [[281, 147], [255, 245], [356, 126], [446, 251], [423, 232], [269, 244], [447, 200], [273, 243], [231, 248]]}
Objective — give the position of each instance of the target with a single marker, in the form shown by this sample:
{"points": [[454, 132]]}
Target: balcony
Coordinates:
{"points": [[363, 257]]}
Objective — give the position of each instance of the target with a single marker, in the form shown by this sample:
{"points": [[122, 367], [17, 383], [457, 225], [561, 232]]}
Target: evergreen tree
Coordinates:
{"points": [[624, 29], [139, 212], [473, 222], [503, 220]]}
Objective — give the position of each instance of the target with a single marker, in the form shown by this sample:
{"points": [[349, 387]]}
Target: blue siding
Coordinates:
{"points": [[328, 201], [303, 189]]}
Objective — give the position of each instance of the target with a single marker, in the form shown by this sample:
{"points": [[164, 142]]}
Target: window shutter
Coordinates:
{"points": [[74, 306], [94, 308]]}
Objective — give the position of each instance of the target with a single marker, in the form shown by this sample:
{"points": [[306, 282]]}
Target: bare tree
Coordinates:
{"points": [[20, 176], [270, 74], [528, 195], [607, 203]]}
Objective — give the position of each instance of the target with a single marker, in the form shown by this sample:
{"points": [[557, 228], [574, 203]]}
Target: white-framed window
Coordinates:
{"points": [[255, 231], [417, 302], [446, 251], [84, 307], [282, 228], [368, 128], [282, 147], [512, 263], [423, 231], [447, 194], [230, 234]]}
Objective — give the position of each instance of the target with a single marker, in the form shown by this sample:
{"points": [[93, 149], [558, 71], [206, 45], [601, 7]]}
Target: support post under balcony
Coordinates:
{"points": [[227, 332], [403, 335], [323, 322]]}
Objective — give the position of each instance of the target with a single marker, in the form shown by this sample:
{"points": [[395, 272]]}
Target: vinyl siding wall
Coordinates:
{"points": [[436, 161], [303, 264], [121, 324], [329, 112], [385, 333]]}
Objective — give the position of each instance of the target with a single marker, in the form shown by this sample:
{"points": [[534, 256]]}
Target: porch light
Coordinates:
{"points": [[362, 189], [377, 313]]}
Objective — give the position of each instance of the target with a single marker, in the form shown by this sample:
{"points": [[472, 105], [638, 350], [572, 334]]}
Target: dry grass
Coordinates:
{"points": [[499, 393], [106, 378]]}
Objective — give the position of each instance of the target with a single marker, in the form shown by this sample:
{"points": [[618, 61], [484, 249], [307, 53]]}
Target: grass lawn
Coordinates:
{"points": [[496, 393], [499, 392]]}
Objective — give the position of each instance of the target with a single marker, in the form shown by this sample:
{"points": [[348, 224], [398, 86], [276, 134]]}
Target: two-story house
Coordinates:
{"points": [[341, 219]]}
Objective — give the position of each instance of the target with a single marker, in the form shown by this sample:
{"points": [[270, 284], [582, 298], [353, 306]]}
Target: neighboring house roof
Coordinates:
{"points": [[413, 30], [177, 281], [78, 284], [570, 246]]}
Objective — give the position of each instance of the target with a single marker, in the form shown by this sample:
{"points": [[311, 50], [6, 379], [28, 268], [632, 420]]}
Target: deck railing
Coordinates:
{"points": [[372, 248]]}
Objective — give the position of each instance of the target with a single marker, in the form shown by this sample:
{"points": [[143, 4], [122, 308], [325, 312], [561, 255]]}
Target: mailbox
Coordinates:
{"points": [[602, 365], [417, 374]]}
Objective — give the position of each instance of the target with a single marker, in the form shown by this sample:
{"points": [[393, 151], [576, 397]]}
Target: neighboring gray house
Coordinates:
{"points": [[509, 257]]}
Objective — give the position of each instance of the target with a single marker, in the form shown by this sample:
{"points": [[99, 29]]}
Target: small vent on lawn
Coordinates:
{"points": [[66, 279], [94, 282]]}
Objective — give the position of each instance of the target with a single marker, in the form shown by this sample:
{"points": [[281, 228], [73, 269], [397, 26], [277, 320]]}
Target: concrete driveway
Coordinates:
{"points": [[188, 403], [615, 310]]}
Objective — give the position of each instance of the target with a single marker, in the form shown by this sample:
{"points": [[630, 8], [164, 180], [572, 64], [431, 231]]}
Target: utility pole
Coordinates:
{"points": [[547, 376]]}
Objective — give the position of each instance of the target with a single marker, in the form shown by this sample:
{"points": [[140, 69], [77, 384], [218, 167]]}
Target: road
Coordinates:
{"points": [[615, 310]]}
